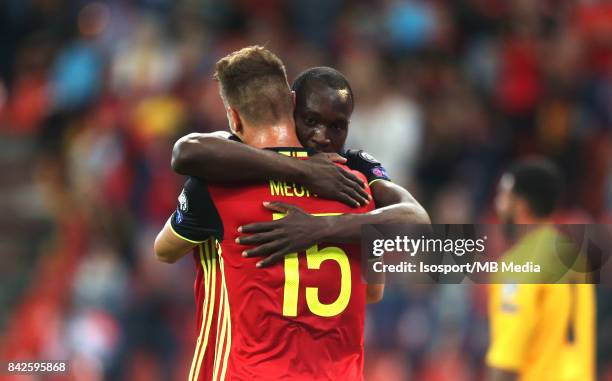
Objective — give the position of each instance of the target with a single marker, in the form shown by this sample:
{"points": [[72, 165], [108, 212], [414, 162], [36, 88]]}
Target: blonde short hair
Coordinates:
{"points": [[253, 81]]}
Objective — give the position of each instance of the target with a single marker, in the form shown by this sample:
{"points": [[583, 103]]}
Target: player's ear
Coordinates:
{"points": [[235, 121], [293, 97]]}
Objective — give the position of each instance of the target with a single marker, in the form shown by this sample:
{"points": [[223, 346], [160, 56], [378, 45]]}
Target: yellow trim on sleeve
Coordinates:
{"points": [[375, 180], [183, 238]]}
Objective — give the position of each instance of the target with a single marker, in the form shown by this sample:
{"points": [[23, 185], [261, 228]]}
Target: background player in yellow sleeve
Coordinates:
{"points": [[538, 332]]}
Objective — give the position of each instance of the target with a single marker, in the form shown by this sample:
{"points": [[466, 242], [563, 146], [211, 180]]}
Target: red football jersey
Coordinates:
{"points": [[301, 319]]}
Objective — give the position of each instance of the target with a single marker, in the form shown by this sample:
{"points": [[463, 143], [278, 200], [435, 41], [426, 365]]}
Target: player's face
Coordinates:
{"points": [[322, 118]]}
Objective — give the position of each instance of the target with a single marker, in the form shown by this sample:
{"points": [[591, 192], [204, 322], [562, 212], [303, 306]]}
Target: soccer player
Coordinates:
{"points": [[300, 320], [324, 104], [539, 332]]}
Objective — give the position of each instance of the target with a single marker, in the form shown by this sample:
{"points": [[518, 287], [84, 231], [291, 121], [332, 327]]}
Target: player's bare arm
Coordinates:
{"points": [[168, 247], [495, 374], [299, 230], [215, 158]]}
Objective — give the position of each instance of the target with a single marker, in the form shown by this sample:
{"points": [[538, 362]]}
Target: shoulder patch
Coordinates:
{"points": [[379, 172], [367, 157], [182, 199]]}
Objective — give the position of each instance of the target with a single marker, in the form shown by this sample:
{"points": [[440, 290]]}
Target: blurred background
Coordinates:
{"points": [[94, 94]]}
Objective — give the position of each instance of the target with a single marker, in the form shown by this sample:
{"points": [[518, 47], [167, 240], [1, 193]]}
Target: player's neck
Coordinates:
{"points": [[278, 135]]}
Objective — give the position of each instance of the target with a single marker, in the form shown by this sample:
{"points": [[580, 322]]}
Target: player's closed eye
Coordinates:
{"points": [[339, 126], [310, 121]]}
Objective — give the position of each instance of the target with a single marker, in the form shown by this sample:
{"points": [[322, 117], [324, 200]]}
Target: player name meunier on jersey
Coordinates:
{"points": [[288, 189], [476, 267]]}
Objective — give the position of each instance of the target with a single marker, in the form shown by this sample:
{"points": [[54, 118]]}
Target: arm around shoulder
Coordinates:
{"points": [[216, 158], [195, 150]]}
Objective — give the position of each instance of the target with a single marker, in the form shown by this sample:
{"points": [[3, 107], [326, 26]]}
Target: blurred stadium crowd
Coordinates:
{"points": [[94, 94]]}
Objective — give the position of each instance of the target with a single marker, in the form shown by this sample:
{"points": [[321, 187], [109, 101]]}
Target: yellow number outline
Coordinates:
{"points": [[314, 259]]}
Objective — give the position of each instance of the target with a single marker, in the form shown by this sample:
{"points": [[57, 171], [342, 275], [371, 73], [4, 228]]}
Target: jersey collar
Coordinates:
{"points": [[293, 151], [288, 151]]}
